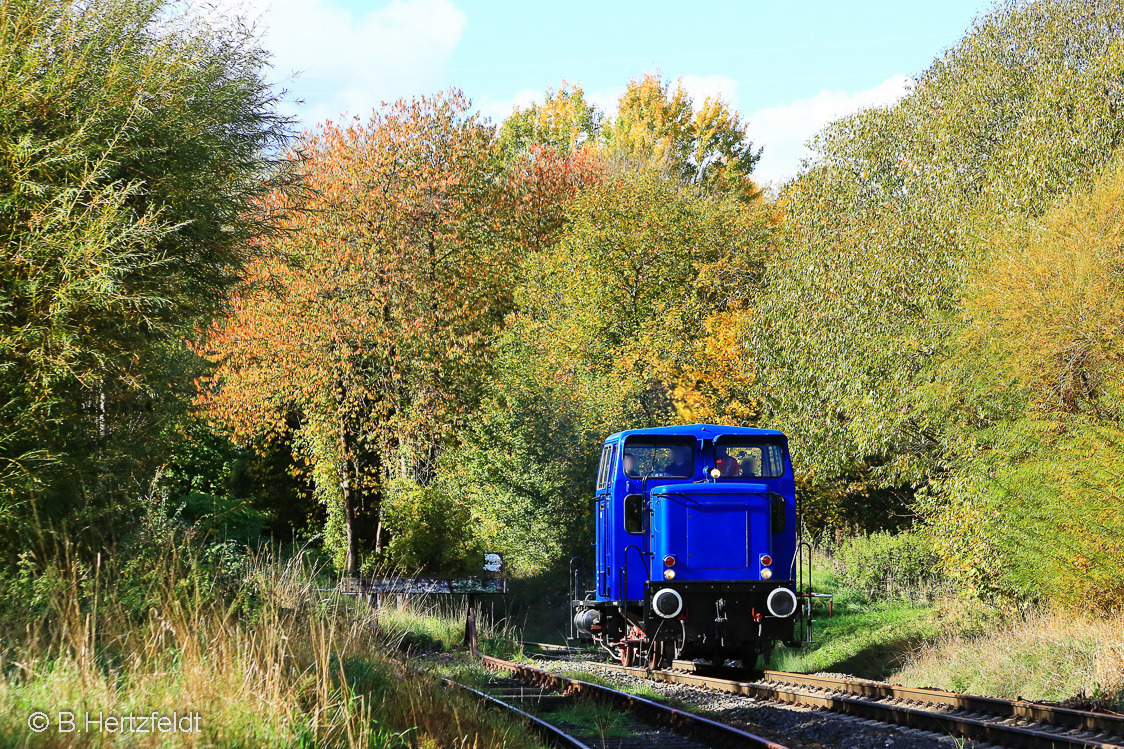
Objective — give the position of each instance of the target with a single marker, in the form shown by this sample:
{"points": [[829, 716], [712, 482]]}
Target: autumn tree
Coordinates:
{"points": [[660, 126], [629, 319], [564, 122], [367, 331], [134, 142]]}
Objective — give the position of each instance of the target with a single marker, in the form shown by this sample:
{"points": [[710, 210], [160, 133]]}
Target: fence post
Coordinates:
{"points": [[470, 625]]}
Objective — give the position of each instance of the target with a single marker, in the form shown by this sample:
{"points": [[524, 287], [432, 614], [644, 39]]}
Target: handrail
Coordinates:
{"points": [[624, 570], [575, 592]]}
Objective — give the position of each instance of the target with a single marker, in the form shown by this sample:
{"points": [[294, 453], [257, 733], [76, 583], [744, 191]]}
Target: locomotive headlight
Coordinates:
{"points": [[766, 573], [781, 603], [669, 561], [715, 473], [667, 603], [669, 574]]}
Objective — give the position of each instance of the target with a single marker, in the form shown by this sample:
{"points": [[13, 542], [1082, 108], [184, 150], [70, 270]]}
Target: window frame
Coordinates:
{"points": [[750, 442], [637, 499], [604, 470], [657, 441]]}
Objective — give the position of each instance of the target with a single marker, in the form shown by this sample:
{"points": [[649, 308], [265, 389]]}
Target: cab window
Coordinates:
{"points": [[634, 513], [658, 460], [603, 470], [745, 459]]}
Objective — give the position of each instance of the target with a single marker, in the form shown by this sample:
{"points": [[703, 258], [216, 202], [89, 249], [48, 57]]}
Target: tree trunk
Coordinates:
{"points": [[351, 565], [376, 498], [350, 496]]}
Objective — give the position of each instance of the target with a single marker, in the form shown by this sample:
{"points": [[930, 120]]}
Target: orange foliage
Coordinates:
{"points": [[368, 329]]}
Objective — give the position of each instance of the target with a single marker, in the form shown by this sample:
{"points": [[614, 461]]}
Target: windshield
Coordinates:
{"points": [[663, 461], [749, 460]]}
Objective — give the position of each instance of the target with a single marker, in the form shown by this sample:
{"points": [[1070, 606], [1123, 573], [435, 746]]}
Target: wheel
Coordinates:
{"points": [[658, 657], [628, 655]]}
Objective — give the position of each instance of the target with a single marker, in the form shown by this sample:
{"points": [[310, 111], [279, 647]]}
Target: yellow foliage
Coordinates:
{"points": [[1051, 297], [711, 388]]}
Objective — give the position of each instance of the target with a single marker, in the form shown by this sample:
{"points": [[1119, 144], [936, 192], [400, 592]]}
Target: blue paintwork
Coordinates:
{"points": [[717, 529]]}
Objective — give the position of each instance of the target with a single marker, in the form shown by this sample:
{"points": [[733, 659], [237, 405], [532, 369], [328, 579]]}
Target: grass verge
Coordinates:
{"points": [[273, 664], [1067, 657], [873, 638]]}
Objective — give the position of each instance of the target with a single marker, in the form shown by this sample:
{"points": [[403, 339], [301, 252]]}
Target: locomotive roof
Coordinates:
{"points": [[698, 431]]}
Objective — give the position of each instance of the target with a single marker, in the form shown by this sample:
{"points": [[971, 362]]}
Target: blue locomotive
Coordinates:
{"points": [[696, 550]]}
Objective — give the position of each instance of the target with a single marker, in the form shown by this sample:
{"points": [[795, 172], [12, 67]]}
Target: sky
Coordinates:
{"points": [[788, 67]]}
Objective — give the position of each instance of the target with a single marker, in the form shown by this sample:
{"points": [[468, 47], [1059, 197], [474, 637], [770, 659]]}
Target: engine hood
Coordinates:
{"points": [[710, 491]]}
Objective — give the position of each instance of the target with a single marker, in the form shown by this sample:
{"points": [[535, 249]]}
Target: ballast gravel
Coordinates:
{"points": [[795, 727]]}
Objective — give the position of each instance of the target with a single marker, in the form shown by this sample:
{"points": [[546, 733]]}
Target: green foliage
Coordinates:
{"points": [[707, 145], [601, 720], [1032, 505], [899, 338], [886, 565], [625, 321], [132, 152], [872, 637], [931, 310], [868, 640], [431, 531], [563, 122], [617, 306]]}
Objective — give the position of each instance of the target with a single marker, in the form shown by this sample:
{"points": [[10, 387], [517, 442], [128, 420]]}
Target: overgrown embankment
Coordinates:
{"points": [[263, 658]]}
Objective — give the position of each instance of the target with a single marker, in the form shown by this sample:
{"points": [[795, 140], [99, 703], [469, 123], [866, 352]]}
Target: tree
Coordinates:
{"points": [[659, 126], [624, 320], [863, 356], [564, 122], [134, 142], [372, 347], [1033, 505]]}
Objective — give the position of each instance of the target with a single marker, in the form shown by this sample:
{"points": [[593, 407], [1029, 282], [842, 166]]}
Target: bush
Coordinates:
{"points": [[431, 532], [887, 565]]}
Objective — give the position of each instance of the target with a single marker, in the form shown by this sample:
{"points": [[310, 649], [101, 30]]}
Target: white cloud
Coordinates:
{"points": [[605, 99], [784, 130], [499, 110], [350, 63], [710, 86]]}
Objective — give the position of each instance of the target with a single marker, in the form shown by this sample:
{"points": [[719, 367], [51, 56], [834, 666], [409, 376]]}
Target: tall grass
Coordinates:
{"points": [[422, 625], [265, 660], [1046, 656]]}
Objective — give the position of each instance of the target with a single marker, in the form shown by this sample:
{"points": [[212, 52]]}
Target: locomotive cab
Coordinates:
{"points": [[695, 546]]}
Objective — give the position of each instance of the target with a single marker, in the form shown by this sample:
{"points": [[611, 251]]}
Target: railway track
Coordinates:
{"points": [[539, 697], [1007, 723]]}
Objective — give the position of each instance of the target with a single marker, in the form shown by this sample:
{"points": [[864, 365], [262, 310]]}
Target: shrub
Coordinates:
{"points": [[887, 565]]}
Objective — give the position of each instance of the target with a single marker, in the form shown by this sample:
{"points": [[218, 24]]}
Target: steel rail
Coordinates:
{"points": [[1019, 709], [549, 647], [971, 726], [652, 712], [550, 733]]}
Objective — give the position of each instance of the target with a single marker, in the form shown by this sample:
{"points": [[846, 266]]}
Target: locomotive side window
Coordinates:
{"points": [[642, 459], [634, 513], [742, 459], [603, 470]]}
